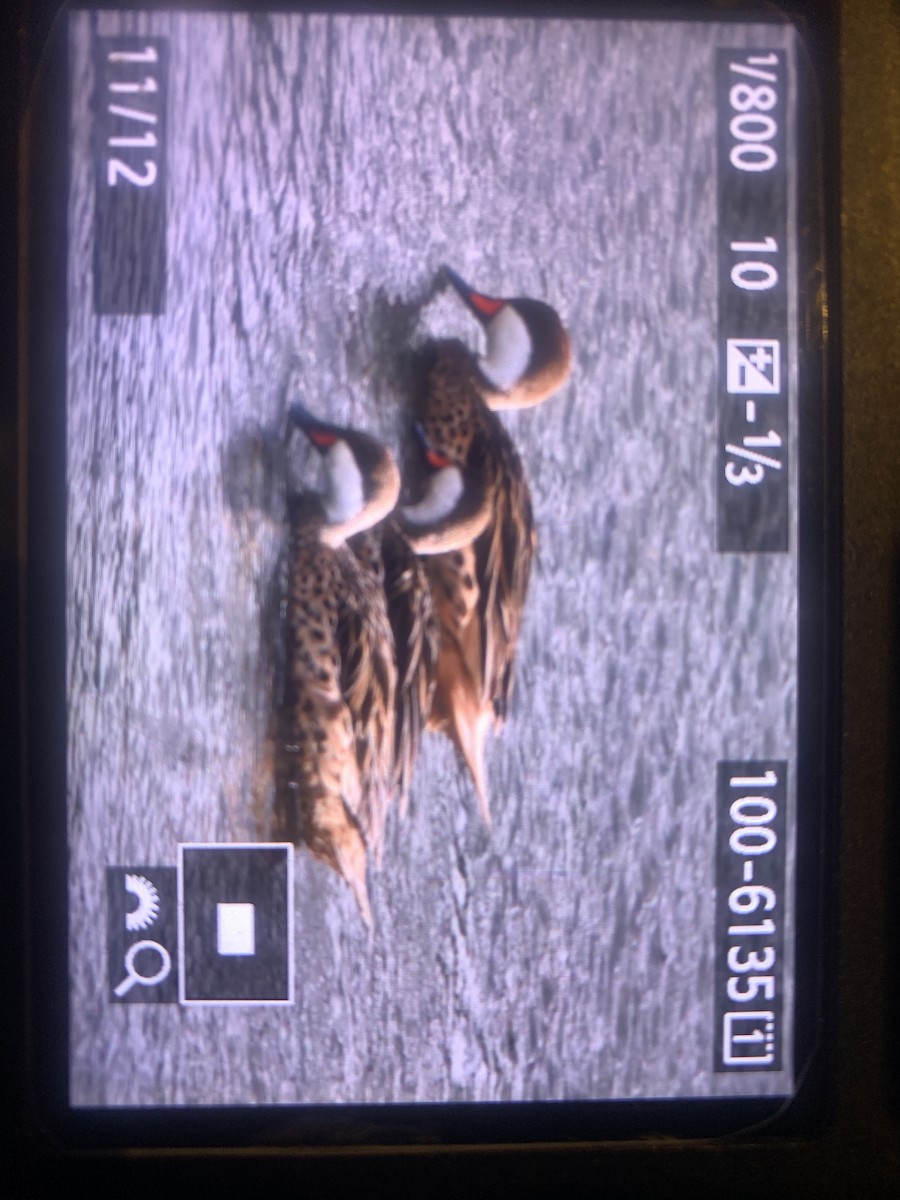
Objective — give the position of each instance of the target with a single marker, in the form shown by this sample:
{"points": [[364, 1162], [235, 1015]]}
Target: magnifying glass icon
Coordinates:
{"points": [[133, 976]]}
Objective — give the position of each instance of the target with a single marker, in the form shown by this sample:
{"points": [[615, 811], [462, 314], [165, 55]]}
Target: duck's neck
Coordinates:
{"points": [[450, 515]]}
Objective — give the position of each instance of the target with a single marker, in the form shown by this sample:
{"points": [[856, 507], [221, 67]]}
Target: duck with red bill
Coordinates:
{"points": [[335, 712]]}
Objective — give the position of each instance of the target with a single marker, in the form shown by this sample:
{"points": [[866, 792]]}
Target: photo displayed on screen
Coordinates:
{"points": [[431, 559]]}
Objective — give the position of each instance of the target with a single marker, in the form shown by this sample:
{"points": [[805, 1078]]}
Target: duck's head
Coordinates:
{"points": [[361, 479], [455, 508], [529, 354]]}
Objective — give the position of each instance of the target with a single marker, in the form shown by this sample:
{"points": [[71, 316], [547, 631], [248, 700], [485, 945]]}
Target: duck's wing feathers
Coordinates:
{"points": [[365, 647], [414, 622], [458, 706], [504, 553]]}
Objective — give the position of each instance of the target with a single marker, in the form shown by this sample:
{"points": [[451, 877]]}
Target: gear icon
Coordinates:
{"points": [[147, 903]]}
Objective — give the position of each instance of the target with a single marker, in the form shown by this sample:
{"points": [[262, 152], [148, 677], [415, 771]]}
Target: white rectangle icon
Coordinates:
{"points": [[754, 366], [235, 929], [196, 908]]}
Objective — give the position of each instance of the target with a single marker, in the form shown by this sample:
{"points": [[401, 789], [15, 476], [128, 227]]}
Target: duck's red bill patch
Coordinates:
{"points": [[485, 304], [319, 437], [436, 460]]}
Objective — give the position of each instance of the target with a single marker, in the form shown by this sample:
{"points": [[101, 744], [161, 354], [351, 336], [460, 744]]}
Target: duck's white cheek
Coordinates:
{"points": [[344, 497], [508, 350], [445, 489]]}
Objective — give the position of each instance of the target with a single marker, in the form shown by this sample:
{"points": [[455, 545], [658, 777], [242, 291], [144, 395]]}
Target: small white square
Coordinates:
{"points": [[235, 929]]}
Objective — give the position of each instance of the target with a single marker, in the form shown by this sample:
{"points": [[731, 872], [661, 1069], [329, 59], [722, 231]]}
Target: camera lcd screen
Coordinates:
{"points": [[507, 811]]}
